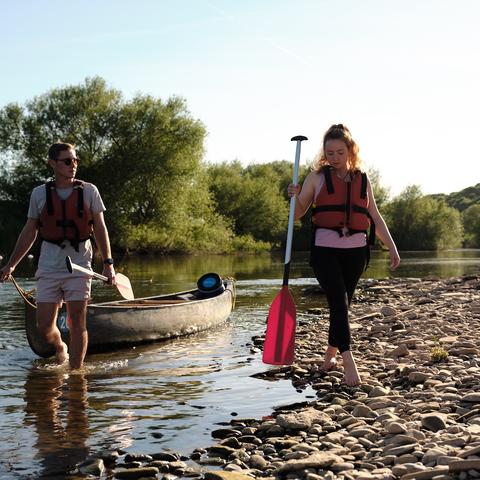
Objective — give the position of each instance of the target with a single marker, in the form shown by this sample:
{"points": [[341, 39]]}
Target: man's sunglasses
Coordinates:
{"points": [[68, 161]]}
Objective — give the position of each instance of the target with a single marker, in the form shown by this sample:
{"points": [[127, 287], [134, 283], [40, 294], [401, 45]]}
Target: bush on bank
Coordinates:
{"points": [[146, 157]]}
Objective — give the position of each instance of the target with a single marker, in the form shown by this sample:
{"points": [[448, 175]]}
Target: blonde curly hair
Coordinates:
{"points": [[339, 132]]}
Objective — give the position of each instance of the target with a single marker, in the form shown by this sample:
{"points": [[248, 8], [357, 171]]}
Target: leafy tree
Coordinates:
{"points": [[418, 222], [471, 225], [145, 155], [463, 199], [280, 172], [251, 199], [255, 200], [380, 192]]}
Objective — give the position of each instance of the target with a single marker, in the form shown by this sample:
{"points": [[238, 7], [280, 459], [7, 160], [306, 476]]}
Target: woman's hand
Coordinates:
{"points": [[394, 258], [293, 190]]}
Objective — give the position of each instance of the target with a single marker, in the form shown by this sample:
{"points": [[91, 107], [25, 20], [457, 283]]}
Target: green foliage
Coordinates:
{"points": [[252, 198], [145, 155], [381, 193], [471, 226], [255, 200], [246, 243], [12, 217], [418, 222], [438, 354], [463, 199]]}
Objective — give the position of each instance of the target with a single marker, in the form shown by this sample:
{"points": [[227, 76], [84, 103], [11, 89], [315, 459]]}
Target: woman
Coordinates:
{"points": [[344, 209]]}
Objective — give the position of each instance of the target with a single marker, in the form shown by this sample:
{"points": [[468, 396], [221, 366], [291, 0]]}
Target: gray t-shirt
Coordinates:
{"points": [[52, 257]]}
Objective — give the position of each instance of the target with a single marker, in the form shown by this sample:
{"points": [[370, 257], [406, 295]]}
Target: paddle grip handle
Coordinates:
{"points": [[72, 266]]}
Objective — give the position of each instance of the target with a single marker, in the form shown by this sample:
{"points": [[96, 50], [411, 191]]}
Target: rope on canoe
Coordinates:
{"points": [[234, 293], [27, 296]]}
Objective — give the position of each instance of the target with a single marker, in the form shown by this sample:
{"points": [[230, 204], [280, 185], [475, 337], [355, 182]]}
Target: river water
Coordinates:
{"points": [[167, 395]]}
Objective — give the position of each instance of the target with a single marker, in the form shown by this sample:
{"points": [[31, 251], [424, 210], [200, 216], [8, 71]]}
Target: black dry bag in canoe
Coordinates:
{"points": [[210, 285]]}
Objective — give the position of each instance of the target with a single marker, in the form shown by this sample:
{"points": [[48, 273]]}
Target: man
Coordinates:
{"points": [[66, 212]]}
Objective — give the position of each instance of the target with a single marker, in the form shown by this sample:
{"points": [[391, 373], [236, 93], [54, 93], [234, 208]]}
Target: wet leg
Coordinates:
{"points": [[77, 312], [46, 320]]}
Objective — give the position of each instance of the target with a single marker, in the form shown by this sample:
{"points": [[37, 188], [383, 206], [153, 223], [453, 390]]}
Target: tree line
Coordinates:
{"points": [[146, 157]]}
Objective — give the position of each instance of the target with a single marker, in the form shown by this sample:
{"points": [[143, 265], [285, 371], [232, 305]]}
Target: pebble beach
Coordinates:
{"points": [[416, 414]]}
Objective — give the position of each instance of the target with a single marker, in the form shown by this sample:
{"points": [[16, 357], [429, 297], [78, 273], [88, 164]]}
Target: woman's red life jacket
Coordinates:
{"points": [[342, 206], [66, 219]]}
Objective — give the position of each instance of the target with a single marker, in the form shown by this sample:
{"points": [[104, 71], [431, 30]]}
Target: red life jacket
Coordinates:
{"points": [[343, 206], [66, 219]]}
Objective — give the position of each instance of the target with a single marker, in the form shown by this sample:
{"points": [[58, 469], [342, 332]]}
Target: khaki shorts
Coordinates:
{"points": [[57, 287]]}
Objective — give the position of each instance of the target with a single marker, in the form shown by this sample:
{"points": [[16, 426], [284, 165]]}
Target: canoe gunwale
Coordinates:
{"points": [[125, 303], [196, 311]]}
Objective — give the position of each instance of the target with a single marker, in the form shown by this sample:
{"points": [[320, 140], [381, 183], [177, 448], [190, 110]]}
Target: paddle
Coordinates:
{"points": [[279, 346], [121, 281]]}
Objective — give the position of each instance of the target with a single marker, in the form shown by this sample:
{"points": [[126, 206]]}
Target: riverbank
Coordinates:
{"points": [[416, 414]]}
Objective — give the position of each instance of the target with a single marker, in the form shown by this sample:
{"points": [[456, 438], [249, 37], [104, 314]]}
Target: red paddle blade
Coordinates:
{"points": [[279, 346], [124, 287]]}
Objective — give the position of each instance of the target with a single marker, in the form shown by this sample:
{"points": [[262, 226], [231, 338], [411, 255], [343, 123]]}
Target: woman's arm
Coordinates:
{"points": [[381, 229], [304, 194]]}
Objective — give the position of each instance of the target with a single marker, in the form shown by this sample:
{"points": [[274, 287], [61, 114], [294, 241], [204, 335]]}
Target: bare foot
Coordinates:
{"points": [[330, 360], [62, 354], [351, 377]]}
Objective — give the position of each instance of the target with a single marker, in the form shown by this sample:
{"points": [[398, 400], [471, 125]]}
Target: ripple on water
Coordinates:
{"points": [[145, 398]]}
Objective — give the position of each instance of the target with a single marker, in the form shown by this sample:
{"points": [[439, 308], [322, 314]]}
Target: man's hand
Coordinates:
{"points": [[109, 272], [5, 273]]}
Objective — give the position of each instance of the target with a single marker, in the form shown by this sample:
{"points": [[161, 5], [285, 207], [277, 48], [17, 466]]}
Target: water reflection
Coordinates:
{"points": [[56, 407], [181, 268], [165, 395]]}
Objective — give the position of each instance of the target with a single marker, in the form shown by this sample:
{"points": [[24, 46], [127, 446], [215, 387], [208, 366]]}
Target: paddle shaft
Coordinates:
{"points": [[279, 344], [73, 266], [291, 217], [121, 281]]}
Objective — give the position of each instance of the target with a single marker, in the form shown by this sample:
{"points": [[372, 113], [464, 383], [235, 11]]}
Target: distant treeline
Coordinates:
{"points": [[146, 157]]}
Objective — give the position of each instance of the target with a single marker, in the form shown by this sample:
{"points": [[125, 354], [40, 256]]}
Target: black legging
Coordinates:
{"points": [[338, 271]]}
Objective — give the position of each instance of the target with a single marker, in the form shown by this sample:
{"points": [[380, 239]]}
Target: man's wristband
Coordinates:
{"points": [[108, 261]]}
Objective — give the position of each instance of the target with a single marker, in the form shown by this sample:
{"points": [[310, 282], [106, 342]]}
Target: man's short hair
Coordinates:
{"points": [[58, 147]]}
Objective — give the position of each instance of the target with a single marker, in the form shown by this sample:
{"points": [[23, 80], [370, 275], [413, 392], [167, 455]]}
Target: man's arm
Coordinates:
{"points": [[103, 242], [24, 243]]}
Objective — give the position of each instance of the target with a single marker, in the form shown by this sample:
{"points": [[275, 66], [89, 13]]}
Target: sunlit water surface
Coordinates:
{"points": [[167, 395]]}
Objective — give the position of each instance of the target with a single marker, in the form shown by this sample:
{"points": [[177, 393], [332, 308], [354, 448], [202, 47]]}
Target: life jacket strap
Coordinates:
{"points": [[328, 208], [363, 188], [359, 209], [49, 186], [327, 172], [79, 187]]}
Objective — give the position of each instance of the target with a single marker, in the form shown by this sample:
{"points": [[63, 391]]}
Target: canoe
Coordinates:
{"points": [[116, 324]]}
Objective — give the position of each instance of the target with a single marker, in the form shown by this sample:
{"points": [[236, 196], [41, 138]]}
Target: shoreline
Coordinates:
{"points": [[415, 416]]}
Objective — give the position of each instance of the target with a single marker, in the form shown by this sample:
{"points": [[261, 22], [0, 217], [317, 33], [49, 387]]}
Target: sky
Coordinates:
{"points": [[403, 76]]}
